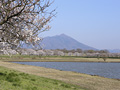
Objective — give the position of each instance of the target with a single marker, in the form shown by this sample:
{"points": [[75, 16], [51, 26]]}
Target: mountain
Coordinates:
{"points": [[114, 51], [63, 41]]}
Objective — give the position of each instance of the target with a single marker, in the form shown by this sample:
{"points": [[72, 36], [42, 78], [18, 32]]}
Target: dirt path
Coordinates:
{"points": [[87, 81]]}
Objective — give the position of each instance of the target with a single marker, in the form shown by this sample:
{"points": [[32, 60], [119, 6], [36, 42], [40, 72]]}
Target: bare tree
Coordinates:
{"points": [[23, 20]]}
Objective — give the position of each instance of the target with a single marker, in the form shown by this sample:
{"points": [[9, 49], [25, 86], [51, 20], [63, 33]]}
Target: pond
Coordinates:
{"points": [[109, 70]]}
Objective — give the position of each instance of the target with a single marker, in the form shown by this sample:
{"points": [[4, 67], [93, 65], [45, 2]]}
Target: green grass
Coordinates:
{"points": [[14, 80]]}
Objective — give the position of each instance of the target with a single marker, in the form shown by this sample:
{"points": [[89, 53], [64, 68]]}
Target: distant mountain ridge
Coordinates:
{"points": [[64, 42], [114, 50]]}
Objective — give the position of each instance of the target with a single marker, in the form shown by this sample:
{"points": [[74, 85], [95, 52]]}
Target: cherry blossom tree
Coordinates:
{"points": [[23, 20]]}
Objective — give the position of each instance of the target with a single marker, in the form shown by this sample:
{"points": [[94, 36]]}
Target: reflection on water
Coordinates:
{"points": [[109, 70]]}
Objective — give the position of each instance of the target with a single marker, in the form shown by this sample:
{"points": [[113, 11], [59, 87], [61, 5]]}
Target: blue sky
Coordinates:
{"points": [[92, 22]]}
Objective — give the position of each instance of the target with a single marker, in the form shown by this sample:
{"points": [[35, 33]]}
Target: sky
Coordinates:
{"points": [[95, 23]]}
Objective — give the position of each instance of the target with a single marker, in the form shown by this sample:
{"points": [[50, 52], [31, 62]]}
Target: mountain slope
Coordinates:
{"points": [[63, 41]]}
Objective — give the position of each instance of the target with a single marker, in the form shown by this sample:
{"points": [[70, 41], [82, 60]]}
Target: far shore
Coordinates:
{"points": [[83, 80], [57, 59], [63, 61]]}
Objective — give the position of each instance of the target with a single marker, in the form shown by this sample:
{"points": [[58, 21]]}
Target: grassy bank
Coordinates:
{"points": [[14, 80], [54, 58], [82, 80]]}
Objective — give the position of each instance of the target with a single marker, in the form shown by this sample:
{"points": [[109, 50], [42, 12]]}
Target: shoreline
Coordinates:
{"points": [[86, 81], [57, 59], [62, 61]]}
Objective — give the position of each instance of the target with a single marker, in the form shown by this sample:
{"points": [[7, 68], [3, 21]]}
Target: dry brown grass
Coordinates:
{"points": [[57, 59], [83, 80]]}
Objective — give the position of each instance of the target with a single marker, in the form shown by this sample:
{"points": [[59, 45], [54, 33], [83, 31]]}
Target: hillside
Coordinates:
{"points": [[63, 41]]}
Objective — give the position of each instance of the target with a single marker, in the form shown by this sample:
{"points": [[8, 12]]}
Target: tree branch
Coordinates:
{"points": [[17, 14]]}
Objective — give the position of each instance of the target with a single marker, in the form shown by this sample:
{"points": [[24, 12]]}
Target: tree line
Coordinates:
{"points": [[83, 51]]}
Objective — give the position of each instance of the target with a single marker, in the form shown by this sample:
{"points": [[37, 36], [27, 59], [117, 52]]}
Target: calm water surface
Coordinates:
{"points": [[109, 70]]}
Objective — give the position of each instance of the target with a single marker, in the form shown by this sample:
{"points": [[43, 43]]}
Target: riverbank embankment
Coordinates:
{"points": [[32, 58], [83, 80]]}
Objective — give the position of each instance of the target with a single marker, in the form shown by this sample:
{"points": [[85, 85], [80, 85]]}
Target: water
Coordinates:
{"points": [[109, 70]]}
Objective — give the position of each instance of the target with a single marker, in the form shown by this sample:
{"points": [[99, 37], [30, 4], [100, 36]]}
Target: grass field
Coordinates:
{"points": [[14, 80], [54, 58]]}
